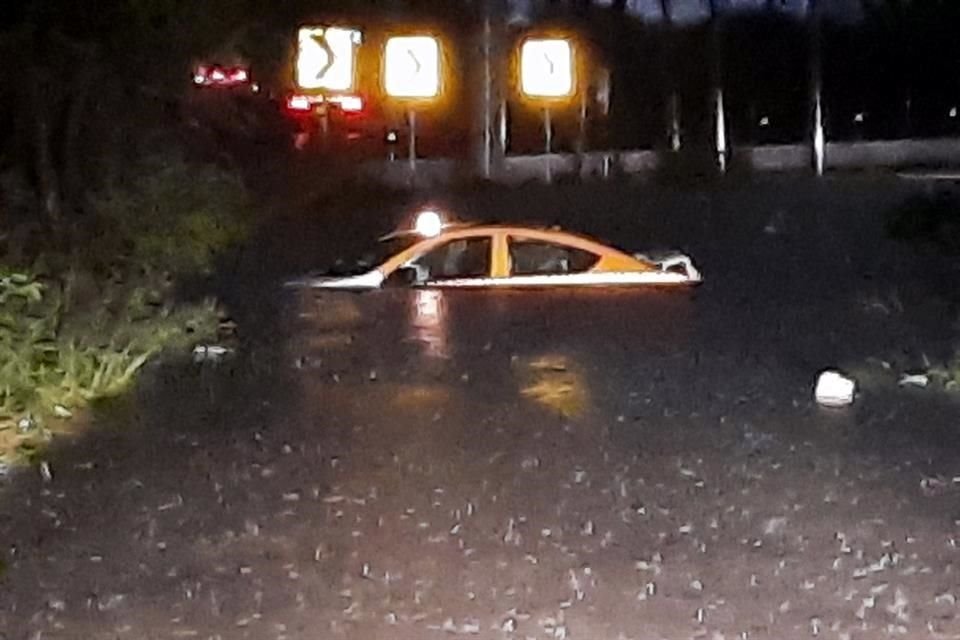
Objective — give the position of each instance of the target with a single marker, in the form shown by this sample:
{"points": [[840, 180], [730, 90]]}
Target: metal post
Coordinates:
{"points": [[548, 136], [412, 120], [721, 133], [816, 74], [582, 138], [716, 44], [504, 128], [675, 140], [582, 134], [325, 127], [487, 99], [819, 141]]}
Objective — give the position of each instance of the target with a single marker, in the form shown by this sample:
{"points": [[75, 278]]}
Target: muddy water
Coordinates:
{"points": [[597, 464]]}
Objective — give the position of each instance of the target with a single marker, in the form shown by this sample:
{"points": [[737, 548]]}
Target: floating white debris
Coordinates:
{"points": [[915, 380], [530, 462], [815, 626], [774, 526], [470, 626], [61, 411], [835, 389], [209, 353]]}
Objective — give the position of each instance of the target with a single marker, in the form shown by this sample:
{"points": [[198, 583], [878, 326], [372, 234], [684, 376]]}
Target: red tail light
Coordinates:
{"points": [[207, 75], [299, 103]]}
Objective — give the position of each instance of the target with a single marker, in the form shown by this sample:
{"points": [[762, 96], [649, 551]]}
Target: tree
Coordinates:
{"points": [[666, 11], [82, 79]]}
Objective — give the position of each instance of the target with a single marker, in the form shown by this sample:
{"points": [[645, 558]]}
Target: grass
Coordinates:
{"points": [[81, 315], [55, 363]]}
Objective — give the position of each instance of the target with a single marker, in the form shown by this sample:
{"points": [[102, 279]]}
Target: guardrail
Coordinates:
{"points": [[886, 154]]}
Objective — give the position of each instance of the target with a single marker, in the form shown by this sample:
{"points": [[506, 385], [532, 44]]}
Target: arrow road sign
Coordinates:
{"points": [[326, 58], [546, 68], [412, 67]]}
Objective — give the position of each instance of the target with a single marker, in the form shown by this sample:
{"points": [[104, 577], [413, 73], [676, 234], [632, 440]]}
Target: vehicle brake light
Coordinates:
{"points": [[240, 75], [217, 75], [353, 104], [298, 103]]}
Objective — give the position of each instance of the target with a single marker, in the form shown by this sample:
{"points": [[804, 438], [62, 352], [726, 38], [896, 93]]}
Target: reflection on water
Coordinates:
{"points": [[554, 382], [428, 322]]}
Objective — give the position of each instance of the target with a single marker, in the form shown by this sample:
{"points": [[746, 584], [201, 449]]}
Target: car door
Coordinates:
{"points": [[537, 262], [460, 262]]}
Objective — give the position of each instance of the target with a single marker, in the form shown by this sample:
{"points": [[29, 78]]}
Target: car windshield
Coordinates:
{"points": [[376, 256]]}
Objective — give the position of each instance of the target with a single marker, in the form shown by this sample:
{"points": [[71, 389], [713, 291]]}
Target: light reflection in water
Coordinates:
{"points": [[556, 382], [428, 322]]}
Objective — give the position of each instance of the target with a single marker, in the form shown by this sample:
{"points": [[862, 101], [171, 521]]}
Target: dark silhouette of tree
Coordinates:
{"points": [[666, 11]]}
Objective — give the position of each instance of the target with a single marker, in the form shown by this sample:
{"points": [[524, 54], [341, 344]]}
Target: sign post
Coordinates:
{"points": [[411, 74], [547, 75], [326, 66], [548, 136], [412, 121]]}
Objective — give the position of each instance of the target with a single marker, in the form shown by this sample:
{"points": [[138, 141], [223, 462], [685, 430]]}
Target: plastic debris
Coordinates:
{"points": [[209, 353], [914, 380], [26, 425], [61, 411], [776, 224], [835, 389], [45, 472]]}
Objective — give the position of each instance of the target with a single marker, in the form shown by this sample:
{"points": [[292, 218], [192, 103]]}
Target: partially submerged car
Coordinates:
{"points": [[499, 255]]}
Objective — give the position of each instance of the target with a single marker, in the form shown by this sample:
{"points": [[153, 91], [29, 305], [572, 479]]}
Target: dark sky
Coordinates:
{"points": [[698, 10], [10, 12], [683, 10]]}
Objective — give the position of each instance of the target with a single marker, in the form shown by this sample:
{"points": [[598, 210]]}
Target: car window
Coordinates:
{"points": [[535, 257], [464, 258]]}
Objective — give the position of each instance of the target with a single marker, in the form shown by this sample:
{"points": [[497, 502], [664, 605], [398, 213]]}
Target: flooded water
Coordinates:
{"points": [[599, 464]]}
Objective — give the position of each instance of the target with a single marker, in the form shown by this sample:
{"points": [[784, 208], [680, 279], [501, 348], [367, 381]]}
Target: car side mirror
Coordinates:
{"points": [[402, 277]]}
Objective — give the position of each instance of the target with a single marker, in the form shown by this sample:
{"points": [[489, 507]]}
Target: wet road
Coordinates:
{"points": [[599, 464]]}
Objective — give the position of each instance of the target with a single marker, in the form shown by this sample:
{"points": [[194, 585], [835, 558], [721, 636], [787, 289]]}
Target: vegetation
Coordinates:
{"points": [[931, 223], [54, 362], [111, 198], [172, 215], [78, 323]]}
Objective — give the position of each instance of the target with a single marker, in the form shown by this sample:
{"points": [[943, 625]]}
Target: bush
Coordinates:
{"points": [[53, 362], [173, 215]]}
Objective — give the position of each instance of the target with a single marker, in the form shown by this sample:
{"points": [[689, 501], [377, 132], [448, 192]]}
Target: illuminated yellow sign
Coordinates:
{"points": [[546, 68], [411, 67], [326, 58]]}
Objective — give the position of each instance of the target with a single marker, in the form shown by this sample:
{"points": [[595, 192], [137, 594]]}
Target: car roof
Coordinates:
{"points": [[538, 232], [544, 234]]}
